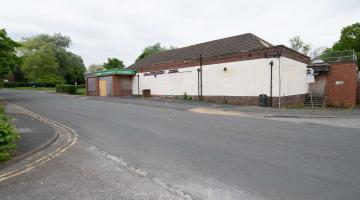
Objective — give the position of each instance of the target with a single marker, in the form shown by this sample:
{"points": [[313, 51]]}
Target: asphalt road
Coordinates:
{"points": [[205, 156]]}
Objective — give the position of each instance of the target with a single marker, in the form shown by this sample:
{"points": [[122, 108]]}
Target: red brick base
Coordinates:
{"points": [[247, 100]]}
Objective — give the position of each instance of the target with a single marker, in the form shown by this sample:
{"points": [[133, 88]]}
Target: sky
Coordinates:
{"points": [[122, 28]]}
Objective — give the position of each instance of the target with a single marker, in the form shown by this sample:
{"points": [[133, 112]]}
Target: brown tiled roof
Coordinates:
{"points": [[235, 44]]}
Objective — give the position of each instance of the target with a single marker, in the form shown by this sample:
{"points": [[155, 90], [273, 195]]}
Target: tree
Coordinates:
{"points": [[152, 49], [70, 66], [298, 45], [114, 63], [317, 52], [41, 66], [8, 57], [94, 68], [349, 40], [18, 73]]}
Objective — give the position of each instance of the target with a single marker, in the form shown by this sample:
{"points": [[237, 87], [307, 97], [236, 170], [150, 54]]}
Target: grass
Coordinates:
{"points": [[80, 91], [51, 89]]}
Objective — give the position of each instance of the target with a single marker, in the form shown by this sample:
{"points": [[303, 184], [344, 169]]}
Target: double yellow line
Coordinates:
{"points": [[65, 133]]}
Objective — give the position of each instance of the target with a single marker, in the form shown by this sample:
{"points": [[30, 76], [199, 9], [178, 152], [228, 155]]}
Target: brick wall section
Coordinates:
{"points": [[358, 92], [245, 100], [342, 84]]}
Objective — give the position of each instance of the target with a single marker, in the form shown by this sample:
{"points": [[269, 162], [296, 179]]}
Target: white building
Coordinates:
{"points": [[234, 70]]}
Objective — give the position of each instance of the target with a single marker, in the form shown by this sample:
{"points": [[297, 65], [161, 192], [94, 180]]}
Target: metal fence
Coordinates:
{"points": [[339, 56]]}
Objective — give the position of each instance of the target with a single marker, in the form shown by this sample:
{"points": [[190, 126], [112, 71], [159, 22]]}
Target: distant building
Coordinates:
{"points": [[234, 70]]}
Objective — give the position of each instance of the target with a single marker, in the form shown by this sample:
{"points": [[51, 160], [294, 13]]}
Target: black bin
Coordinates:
{"points": [[262, 99]]}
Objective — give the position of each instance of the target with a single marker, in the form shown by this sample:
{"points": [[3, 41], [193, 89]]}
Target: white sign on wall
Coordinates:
{"points": [[310, 76]]}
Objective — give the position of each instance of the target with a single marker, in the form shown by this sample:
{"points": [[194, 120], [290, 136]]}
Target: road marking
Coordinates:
{"points": [[217, 112], [142, 173], [63, 130], [24, 130]]}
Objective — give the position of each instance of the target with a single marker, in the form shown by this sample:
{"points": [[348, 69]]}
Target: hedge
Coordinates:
{"points": [[8, 135], [28, 84], [70, 89]]}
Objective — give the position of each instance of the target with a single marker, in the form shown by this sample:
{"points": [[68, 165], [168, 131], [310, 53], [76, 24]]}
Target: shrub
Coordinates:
{"points": [[187, 97], [81, 86], [70, 89], [8, 135]]}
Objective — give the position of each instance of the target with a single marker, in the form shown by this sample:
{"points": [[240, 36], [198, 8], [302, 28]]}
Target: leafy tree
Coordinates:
{"points": [[349, 40], [19, 75], [69, 65], [152, 49], [57, 41], [94, 68], [76, 69], [113, 63], [42, 66], [8, 57], [298, 45]]}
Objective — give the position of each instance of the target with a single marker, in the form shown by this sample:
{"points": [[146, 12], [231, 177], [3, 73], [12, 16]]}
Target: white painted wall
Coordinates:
{"points": [[242, 78]]}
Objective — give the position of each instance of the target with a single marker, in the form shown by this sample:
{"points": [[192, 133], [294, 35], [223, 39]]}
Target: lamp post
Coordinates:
{"points": [[200, 82], [271, 84], [138, 84], [279, 83]]}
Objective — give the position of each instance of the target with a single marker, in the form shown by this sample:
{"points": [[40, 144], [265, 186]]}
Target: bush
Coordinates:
{"points": [[187, 97], [8, 135], [81, 86], [70, 89]]}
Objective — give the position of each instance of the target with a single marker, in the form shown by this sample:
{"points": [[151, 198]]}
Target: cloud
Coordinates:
{"points": [[110, 28]]}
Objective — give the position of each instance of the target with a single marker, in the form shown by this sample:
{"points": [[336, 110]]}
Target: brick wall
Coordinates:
{"points": [[358, 92], [245, 100], [342, 85]]}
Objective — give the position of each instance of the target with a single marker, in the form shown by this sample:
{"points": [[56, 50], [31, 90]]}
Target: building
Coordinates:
{"points": [[116, 82], [232, 70], [336, 80]]}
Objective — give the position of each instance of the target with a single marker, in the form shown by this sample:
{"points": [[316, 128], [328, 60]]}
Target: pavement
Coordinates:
{"points": [[34, 135], [145, 150]]}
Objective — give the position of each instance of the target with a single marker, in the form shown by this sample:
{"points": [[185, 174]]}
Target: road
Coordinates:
{"points": [[181, 154]]}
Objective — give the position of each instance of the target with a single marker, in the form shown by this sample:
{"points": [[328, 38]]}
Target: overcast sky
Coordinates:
{"points": [[111, 28]]}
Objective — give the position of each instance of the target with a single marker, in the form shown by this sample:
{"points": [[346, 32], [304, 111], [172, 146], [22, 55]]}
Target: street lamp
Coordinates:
{"points": [[271, 85]]}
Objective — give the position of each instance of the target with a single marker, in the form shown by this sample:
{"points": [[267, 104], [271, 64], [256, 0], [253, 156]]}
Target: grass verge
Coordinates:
{"points": [[80, 91], [51, 89]]}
